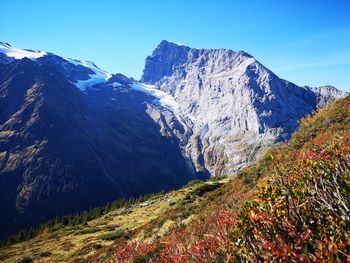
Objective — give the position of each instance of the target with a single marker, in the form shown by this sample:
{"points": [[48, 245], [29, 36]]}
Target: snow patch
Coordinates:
{"points": [[99, 76], [176, 43], [164, 100], [116, 84], [18, 53], [161, 98]]}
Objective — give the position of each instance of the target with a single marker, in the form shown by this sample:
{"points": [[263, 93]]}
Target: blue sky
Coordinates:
{"points": [[306, 42]]}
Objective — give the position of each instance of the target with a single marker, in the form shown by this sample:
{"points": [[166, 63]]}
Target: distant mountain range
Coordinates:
{"points": [[73, 136]]}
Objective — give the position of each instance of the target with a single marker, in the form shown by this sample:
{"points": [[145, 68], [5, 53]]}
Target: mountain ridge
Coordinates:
{"points": [[63, 146]]}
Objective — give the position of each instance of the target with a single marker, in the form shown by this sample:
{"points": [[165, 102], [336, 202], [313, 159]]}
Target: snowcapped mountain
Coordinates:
{"points": [[73, 136], [81, 73]]}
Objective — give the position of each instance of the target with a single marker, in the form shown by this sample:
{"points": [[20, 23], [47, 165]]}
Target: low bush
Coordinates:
{"points": [[114, 235]]}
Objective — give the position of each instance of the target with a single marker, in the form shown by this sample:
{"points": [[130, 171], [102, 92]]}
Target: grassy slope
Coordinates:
{"points": [[101, 236]]}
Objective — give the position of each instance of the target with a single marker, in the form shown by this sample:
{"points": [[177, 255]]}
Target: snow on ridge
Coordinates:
{"points": [[164, 100], [18, 53], [115, 84], [176, 43], [99, 76], [161, 98]]}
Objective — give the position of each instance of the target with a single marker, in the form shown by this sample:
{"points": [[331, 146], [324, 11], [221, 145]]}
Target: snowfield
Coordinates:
{"points": [[99, 76], [18, 53]]}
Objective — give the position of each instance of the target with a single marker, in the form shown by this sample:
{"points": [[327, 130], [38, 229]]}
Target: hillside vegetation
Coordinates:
{"points": [[299, 211], [97, 233], [290, 206]]}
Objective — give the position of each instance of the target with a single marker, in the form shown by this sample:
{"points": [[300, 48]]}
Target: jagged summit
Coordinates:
{"points": [[167, 42], [161, 62], [326, 94], [168, 56], [245, 54]]}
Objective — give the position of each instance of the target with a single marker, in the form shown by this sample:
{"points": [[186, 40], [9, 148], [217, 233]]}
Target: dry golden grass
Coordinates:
{"points": [[76, 243]]}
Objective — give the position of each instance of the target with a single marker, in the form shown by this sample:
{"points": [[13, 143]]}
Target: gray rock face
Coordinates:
{"points": [[162, 61], [327, 94], [232, 108]]}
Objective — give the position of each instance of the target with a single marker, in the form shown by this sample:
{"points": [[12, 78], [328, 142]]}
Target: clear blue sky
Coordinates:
{"points": [[304, 41]]}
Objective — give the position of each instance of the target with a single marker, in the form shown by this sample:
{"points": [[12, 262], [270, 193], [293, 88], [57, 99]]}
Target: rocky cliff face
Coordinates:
{"points": [[327, 94], [162, 61], [231, 107]]}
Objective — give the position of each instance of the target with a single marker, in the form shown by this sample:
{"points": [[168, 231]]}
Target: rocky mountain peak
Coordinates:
{"points": [[162, 61], [326, 94], [168, 56], [231, 107]]}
